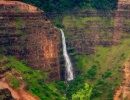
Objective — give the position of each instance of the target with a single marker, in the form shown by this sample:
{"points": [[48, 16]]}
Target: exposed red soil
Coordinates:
{"points": [[19, 94]]}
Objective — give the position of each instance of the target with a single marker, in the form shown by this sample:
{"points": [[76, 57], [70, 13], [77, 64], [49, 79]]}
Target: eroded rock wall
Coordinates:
{"points": [[122, 24], [26, 33], [87, 29], [95, 31]]}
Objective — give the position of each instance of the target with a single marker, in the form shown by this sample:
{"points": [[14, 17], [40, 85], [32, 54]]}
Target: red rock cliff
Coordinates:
{"points": [[26, 33]]}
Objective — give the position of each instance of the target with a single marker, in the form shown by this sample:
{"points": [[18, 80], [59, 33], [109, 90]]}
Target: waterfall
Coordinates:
{"points": [[68, 64]]}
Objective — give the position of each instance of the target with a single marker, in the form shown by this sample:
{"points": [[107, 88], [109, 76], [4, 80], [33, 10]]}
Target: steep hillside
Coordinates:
{"points": [[26, 33]]}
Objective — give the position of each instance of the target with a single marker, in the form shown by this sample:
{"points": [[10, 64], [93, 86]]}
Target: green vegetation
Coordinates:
{"points": [[92, 72], [36, 81], [98, 74], [15, 82], [64, 5], [86, 24], [71, 21], [102, 70], [18, 22], [83, 94]]}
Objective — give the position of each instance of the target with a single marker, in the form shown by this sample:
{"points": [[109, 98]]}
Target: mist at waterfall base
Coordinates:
{"points": [[68, 64]]}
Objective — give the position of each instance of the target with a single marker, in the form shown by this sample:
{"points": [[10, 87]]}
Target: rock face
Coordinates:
{"points": [[122, 24], [5, 94], [94, 28], [94, 31], [26, 33]]}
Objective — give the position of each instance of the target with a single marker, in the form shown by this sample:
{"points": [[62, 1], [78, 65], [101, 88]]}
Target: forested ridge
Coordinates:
{"points": [[63, 5]]}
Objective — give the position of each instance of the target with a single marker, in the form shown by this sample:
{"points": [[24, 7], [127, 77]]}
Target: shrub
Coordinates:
{"points": [[92, 72], [15, 82], [106, 74], [83, 94], [60, 26]]}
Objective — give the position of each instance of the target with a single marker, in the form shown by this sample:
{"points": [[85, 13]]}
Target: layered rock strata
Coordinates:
{"points": [[122, 24], [26, 33]]}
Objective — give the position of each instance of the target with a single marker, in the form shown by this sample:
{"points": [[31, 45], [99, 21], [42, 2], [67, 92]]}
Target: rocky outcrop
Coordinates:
{"points": [[7, 89], [26, 33], [9, 93], [123, 92], [5, 94]]}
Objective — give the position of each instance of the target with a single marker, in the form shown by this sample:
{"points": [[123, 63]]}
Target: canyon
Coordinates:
{"points": [[96, 41]]}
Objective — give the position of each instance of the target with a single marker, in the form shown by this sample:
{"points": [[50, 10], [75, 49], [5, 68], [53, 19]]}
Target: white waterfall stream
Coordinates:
{"points": [[68, 64]]}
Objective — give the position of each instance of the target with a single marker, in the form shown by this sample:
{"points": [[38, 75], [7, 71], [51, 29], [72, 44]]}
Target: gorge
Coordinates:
{"points": [[35, 62]]}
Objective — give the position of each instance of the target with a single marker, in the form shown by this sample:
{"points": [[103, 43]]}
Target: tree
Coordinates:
{"points": [[63, 5], [83, 94]]}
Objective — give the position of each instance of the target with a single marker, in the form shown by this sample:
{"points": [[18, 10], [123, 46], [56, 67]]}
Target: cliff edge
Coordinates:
{"points": [[26, 33]]}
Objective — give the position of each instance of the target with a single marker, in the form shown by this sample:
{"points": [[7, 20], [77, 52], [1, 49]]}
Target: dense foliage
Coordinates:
{"points": [[83, 94], [63, 5]]}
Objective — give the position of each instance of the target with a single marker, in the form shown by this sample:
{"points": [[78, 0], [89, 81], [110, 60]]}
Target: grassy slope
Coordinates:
{"points": [[109, 62], [35, 80]]}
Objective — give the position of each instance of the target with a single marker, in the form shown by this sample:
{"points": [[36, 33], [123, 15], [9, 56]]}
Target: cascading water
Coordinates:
{"points": [[68, 64]]}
